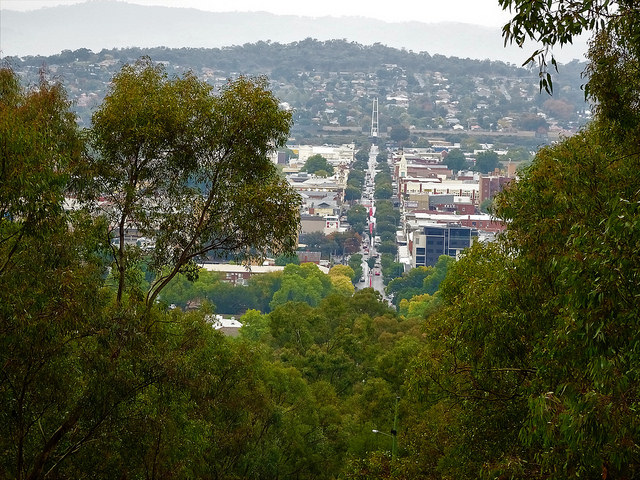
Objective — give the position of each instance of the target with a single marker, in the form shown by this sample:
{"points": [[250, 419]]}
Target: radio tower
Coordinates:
{"points": [[374, 118]]}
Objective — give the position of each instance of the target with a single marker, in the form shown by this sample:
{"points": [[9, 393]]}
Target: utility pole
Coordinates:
{"points": [[394, 433]]}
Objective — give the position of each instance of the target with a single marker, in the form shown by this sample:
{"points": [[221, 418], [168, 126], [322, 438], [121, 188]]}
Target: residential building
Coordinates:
{"points": [[309, 257], [489, 186], [228, 326], [239, 274]]}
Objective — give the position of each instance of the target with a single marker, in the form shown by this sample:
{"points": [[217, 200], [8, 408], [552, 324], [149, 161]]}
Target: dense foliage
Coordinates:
{"points": [[98, 379], [522, 362], [533, 350]]}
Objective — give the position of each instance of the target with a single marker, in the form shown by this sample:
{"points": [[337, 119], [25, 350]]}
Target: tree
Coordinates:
{"points": [[533, 122], [263, 288], [318, 241], [418, 306], [388, 247], [386, 236], [357, 217], [313, 240], [286, 259], [362, 155], [352, 193], [537, 330], [482, 380], [254, 325], [197, 178], [316, 163], [560, 109], [97, 386], [385, 226], [347, 242], [558, 23], [432, 281], [342, 284], [180, 291], [408, 285], [385, 210], [390, 268], [302, 283], [399, 133], [88, 369], [355, 262], [383, 191], [486, 205], [341, 270], [577, 263], [40, 146], [50, 271], [487, 162], [455, 160], [356, 178]]}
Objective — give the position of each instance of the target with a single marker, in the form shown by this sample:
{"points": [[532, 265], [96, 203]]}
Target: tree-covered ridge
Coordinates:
{"points": [[330, 55]]}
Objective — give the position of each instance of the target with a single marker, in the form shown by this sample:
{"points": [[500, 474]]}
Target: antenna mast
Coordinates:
{"points": [[374, 118]]}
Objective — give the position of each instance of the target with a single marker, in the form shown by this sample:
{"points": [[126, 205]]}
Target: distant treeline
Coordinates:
{"points": [[276, 58]]}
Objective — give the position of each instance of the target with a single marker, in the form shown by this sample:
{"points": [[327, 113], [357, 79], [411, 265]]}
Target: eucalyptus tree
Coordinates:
{"points": [[535, 345], [84, 372], [39, 143], [558, 23], [189, 167]]}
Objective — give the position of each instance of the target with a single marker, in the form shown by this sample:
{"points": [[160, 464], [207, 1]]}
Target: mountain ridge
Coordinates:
{"points": [[106, 24]]}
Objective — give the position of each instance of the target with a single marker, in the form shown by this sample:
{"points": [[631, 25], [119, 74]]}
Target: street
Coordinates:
{"points": [[372, 277]]}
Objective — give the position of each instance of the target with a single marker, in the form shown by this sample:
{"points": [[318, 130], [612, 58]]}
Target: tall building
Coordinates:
{"points": [[489, 186], [436, 240]]}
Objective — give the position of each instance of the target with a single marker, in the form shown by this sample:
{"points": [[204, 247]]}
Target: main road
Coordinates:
{"points": [[371, 277]]}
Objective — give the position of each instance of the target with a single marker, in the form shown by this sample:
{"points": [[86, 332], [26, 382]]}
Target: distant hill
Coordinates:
{"points": [[106, 24]]}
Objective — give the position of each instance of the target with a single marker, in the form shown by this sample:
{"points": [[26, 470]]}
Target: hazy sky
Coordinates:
{"points": [[480, 12]]}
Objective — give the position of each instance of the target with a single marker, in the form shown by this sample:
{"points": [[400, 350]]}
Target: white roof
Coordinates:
{"points": [[218, 322], [229, 268], [423, 217], [226, 323]]}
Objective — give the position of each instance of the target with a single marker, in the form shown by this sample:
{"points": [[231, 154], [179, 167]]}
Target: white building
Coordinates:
{"points": [[228, 326], [335, 154]]}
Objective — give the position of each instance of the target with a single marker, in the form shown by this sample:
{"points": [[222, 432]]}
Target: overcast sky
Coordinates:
{"points": [[479, 12]]}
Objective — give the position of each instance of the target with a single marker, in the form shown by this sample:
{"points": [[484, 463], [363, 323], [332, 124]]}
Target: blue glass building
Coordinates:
{"points": [[436, 240]]}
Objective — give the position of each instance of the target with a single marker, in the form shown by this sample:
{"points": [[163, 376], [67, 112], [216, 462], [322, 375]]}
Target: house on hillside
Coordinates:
{"points": [[228, 326]]}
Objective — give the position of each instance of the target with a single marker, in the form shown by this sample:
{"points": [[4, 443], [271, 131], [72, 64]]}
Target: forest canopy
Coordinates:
{"points": [[519, 360]]}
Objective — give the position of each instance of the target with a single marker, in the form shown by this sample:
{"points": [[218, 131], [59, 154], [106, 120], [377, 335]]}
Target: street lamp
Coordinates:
{"points": [[393, 434]]}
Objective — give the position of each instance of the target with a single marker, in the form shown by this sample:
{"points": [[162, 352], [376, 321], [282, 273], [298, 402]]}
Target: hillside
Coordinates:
{"points": [[112, 24], [330, 86]]}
